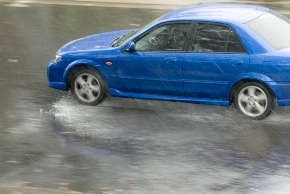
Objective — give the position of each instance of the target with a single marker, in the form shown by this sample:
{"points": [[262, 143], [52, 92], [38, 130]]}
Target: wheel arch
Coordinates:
{"points": [[245, 80], [80, 65]]}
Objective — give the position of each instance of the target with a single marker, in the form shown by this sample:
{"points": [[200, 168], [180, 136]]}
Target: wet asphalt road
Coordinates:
{"points": [[123, 145]]}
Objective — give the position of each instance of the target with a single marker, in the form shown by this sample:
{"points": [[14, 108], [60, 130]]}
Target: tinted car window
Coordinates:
{"points": [[168, 37], [234, 45], [216, 38]]}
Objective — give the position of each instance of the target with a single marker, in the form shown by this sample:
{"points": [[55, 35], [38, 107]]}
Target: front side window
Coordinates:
{"points": [[216, 38], [273, 28], [166, 37]]}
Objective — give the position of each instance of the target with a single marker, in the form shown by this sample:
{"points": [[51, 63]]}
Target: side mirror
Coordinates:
{"points": [[131, 46]]}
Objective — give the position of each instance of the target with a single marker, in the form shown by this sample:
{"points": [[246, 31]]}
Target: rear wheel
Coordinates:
{"points": [[88, 87], [254, 100]]}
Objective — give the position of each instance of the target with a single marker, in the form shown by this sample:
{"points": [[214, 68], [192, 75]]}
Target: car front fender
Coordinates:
{"points": [[87, 62]]}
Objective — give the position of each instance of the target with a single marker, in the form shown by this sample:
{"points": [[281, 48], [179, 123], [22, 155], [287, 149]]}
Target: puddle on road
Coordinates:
{"points": [[83, 120], [116, 117], [174, 145]]}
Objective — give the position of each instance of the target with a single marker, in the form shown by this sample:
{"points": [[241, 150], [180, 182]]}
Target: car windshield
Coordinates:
{"points": [[121, 40], [274, 28]]}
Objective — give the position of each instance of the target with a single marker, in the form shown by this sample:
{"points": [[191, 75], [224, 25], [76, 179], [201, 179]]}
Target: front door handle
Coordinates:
{"points": [[171, 59]]}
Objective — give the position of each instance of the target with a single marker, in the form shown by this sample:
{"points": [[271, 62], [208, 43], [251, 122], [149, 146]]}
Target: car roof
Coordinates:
{"points": [[241, 13]]}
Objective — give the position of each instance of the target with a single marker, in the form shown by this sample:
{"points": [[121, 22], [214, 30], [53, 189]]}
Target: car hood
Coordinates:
{"points": [[93, 42]]}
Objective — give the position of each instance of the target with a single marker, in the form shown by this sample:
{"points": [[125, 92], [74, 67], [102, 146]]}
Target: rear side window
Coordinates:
{"points": [[234, 44], [216, 38]]}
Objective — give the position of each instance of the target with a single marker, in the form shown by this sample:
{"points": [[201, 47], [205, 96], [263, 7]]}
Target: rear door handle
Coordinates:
{"points": [[171, 59], [237, 62]]}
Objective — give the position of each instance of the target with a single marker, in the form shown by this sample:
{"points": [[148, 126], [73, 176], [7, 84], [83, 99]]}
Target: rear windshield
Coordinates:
{"points": [[273, 28]]}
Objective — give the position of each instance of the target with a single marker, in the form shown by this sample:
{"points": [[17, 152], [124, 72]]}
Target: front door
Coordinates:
{"points": [[145, 72], [155, 67]]}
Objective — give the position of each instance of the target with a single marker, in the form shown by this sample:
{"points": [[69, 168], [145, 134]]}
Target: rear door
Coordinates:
{"points": [[214, 59]]}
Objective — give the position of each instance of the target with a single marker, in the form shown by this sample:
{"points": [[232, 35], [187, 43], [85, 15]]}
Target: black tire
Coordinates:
{"points": [[88, 87], [254, 100]]}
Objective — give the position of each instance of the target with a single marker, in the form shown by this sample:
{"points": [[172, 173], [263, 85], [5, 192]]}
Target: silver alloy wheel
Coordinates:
{"points": [[87, 87], [252, 101]]}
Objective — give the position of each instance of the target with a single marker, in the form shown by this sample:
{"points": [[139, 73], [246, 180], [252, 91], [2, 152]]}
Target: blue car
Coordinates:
{"points": [[215, 54]]}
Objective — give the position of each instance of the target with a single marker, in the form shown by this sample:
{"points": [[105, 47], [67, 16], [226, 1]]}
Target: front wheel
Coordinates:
{"points": [[254, 100], [88, 87]]}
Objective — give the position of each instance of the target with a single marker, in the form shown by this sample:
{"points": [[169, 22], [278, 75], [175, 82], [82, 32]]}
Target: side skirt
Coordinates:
{"points": [[117, 93]]}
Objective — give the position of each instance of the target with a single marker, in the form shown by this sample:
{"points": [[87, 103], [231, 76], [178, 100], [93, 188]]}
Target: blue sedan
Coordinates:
{"points": [[215, 54]]}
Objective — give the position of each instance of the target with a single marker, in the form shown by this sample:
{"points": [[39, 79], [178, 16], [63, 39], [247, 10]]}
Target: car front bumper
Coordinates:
{"points": [[55, 76]]}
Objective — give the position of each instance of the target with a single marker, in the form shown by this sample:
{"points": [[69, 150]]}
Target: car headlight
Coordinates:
{"points": [[57, 58]]}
